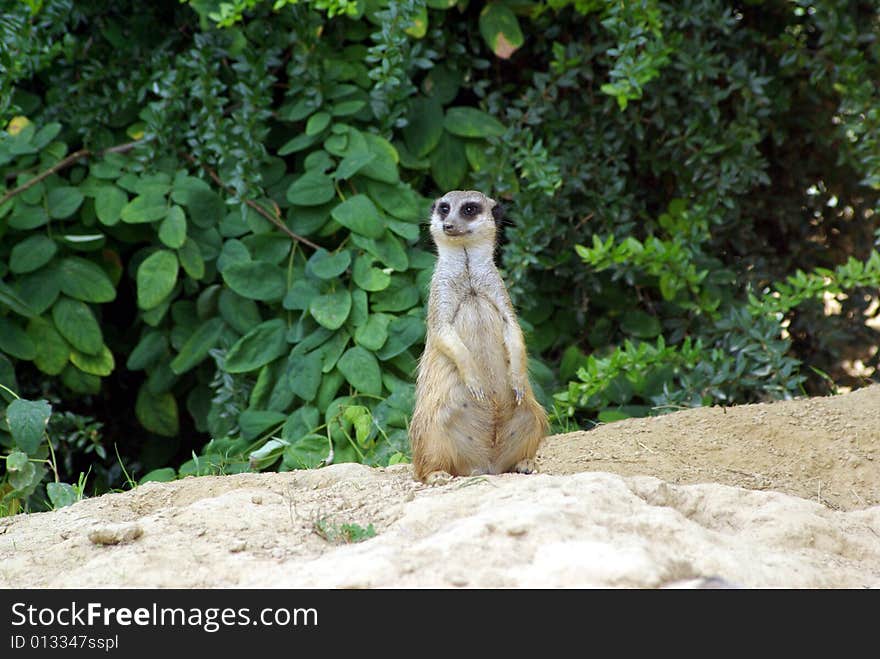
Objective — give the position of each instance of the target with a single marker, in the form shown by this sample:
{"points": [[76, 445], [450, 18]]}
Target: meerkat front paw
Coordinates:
{"points": [[518, 384], [475, 390], [527, 466], [436, 478]]}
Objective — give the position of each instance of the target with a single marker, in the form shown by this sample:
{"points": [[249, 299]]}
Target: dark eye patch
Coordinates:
{"points": [[471, 209], [443, 208]]}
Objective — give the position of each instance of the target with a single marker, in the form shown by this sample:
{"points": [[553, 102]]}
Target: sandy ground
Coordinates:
{"points": [[824, 449], [773, 495]]}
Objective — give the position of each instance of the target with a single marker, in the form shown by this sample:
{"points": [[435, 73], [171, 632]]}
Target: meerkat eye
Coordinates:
{"points": [[470, 209], [443, 208]]}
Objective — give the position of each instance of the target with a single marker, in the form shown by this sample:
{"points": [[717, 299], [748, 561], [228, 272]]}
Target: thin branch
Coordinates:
{"points": [[64, 163], [274, 219]]}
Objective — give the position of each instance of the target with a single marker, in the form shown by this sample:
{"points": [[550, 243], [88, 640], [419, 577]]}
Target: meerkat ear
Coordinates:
{"points": [[498, 213], [433, 207]]}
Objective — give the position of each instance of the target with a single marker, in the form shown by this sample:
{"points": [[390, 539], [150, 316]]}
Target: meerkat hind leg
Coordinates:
{"points": [[521, 433], [526, 466]]}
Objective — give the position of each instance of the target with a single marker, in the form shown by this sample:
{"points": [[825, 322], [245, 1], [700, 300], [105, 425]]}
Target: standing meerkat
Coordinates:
{"points": [[475, 412]]}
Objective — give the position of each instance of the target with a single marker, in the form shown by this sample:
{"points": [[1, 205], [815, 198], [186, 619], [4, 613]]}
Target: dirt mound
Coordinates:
{"points": [[681, 509], [824, 449]]}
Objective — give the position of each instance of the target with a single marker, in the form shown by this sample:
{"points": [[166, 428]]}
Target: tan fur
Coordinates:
{"points": [[475, 412]]}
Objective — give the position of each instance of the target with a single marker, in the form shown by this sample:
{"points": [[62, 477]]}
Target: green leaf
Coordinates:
{"points": [[317, 123], [500, 29], [150, 349], [10, 299], [361, 370], [367, 277], [7, 379], [84, 280], [373, 334], [256, 280], [163, 475], [263, 344], [101, 364], [400, 201], [27, 421], [31, 254], [360, 214], [75, 321], [387, 249], [403, 332], [79, 382], [40, 288], [239, 313], [332, 309], [22, 473], [471, 122], [109, 202], [449, 163], [399, 296], [63, 202], [206, 209], [359, 308], [384, 166], [61, 494], [300, 295], [325, 265], [52, 351], [301, 422], [25, 216], [196, 348], [311, 189], [332, 350], [157, 412], [191, 260], [144, 208], [353, 163], [308, 452], [298, 143], [156, 277], [347, 108], [640, 324], [425, 126], [172, 230], [304, 373], [15, 341], [254, 423]]}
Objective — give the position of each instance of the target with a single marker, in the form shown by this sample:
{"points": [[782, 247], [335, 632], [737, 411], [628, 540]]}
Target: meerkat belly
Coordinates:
{"points": [[481, 328]]}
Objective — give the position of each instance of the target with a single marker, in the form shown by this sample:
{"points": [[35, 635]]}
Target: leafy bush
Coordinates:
{"points": [[212, 211]]}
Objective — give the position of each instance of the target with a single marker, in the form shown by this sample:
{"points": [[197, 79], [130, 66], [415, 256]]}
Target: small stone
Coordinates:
{"points": [[257, 499], [237, 546], [115, 534], [516, 530], [458, 580]]}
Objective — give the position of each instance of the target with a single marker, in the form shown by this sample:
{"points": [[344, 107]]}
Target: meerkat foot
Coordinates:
{"points": [[436, 478], [527, 466]]}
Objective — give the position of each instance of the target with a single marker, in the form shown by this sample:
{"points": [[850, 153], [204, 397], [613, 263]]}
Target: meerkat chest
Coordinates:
{"points": [[476, 312]]}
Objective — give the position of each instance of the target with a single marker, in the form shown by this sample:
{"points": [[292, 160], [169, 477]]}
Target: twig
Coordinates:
{"points": [[66, 162], [274, 219]]}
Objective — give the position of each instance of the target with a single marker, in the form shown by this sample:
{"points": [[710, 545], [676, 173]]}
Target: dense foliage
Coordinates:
{"points": [[213, 214]]}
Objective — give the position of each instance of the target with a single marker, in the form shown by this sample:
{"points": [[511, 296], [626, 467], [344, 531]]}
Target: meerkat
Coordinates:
{"points": [[475, 412]]}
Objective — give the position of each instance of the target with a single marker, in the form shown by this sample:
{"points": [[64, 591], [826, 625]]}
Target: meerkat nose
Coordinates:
{"points": [[448, 227]]}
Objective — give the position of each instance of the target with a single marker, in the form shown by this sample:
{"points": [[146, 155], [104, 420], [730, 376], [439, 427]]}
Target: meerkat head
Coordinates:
{"points": [[464, 217]]}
